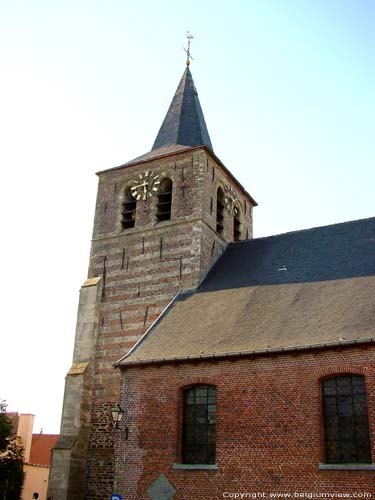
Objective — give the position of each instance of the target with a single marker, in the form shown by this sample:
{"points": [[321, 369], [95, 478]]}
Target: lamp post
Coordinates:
{"points": [[116, 414]]}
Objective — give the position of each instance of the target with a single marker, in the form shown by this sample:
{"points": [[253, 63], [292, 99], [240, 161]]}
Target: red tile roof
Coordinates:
{"points": [[41, 447]]}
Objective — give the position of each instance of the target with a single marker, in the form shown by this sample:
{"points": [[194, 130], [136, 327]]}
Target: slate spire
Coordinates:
{"points": [[184, 122]]}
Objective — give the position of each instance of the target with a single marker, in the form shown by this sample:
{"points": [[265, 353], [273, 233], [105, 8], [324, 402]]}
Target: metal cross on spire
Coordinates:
{"points": [[189, 37]]}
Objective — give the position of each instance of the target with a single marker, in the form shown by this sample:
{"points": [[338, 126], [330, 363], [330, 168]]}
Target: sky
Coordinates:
{"points": [[287, 90]]}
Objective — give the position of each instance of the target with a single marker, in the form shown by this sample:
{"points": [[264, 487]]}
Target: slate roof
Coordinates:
{"points": [[184, 125], [304, 288], [41, 446], [184, 122]]}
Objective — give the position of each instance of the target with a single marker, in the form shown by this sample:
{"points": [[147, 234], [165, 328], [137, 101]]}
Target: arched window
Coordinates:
{"points": [[199, 425], [345, 420], [129, 208], [220, 205], [236, 223], [164, 205]]}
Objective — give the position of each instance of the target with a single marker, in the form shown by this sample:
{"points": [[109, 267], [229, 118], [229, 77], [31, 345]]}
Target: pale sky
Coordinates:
{"points": [[287, 90]]}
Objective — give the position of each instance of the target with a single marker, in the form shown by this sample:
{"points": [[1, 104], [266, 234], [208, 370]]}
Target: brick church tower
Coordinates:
{"points": [[161, 221]]}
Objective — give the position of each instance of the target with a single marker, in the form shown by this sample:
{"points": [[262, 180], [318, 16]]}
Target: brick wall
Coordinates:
{"points": [[268, 431], [143, 268]]}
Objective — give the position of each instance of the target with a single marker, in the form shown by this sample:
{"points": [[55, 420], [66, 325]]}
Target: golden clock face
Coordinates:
{"points": [[231, 200], [145, 185]]}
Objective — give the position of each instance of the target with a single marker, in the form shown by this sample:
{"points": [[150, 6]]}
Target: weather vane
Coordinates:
{"points": [[189, 36]]}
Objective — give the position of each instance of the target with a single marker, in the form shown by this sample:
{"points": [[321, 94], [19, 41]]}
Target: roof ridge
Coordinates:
{"points": [[183, 83], [184, 123], [231, 244], [38, 434]]}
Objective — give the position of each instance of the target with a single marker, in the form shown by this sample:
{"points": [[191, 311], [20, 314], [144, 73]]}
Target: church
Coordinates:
{"points": [[208, 364]]}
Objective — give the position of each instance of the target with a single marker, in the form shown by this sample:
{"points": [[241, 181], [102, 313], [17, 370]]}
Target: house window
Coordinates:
{"points": [[220, 204], [345, 420], [236, 224], [199, 423], [129, 209], [164, 204]]}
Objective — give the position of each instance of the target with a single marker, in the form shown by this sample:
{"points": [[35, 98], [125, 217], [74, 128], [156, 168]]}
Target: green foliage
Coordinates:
{"points": [[11, 459], [5, 426]]}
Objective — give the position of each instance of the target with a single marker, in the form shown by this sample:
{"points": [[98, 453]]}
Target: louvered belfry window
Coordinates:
{"points": [[164, 204], [220, 206], [129, 210], [236, 225], [345, 419], [199, 425]]}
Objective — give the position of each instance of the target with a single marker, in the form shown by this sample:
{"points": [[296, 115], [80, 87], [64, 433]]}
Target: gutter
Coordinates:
{"points": [[242, 354]]}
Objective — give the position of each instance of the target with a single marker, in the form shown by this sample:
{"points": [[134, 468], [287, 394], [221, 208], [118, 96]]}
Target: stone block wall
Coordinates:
{"points": [[69, 455]]}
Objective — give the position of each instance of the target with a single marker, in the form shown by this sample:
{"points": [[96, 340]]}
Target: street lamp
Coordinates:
{"points": [[116, 414]]}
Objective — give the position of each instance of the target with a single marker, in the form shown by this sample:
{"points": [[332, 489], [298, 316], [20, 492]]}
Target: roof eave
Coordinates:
{"points": [[244, 354], [216, 158], [165, 155]]}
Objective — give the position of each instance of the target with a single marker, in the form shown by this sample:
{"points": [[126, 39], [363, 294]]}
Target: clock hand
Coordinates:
{"points": [[139, 185]]}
